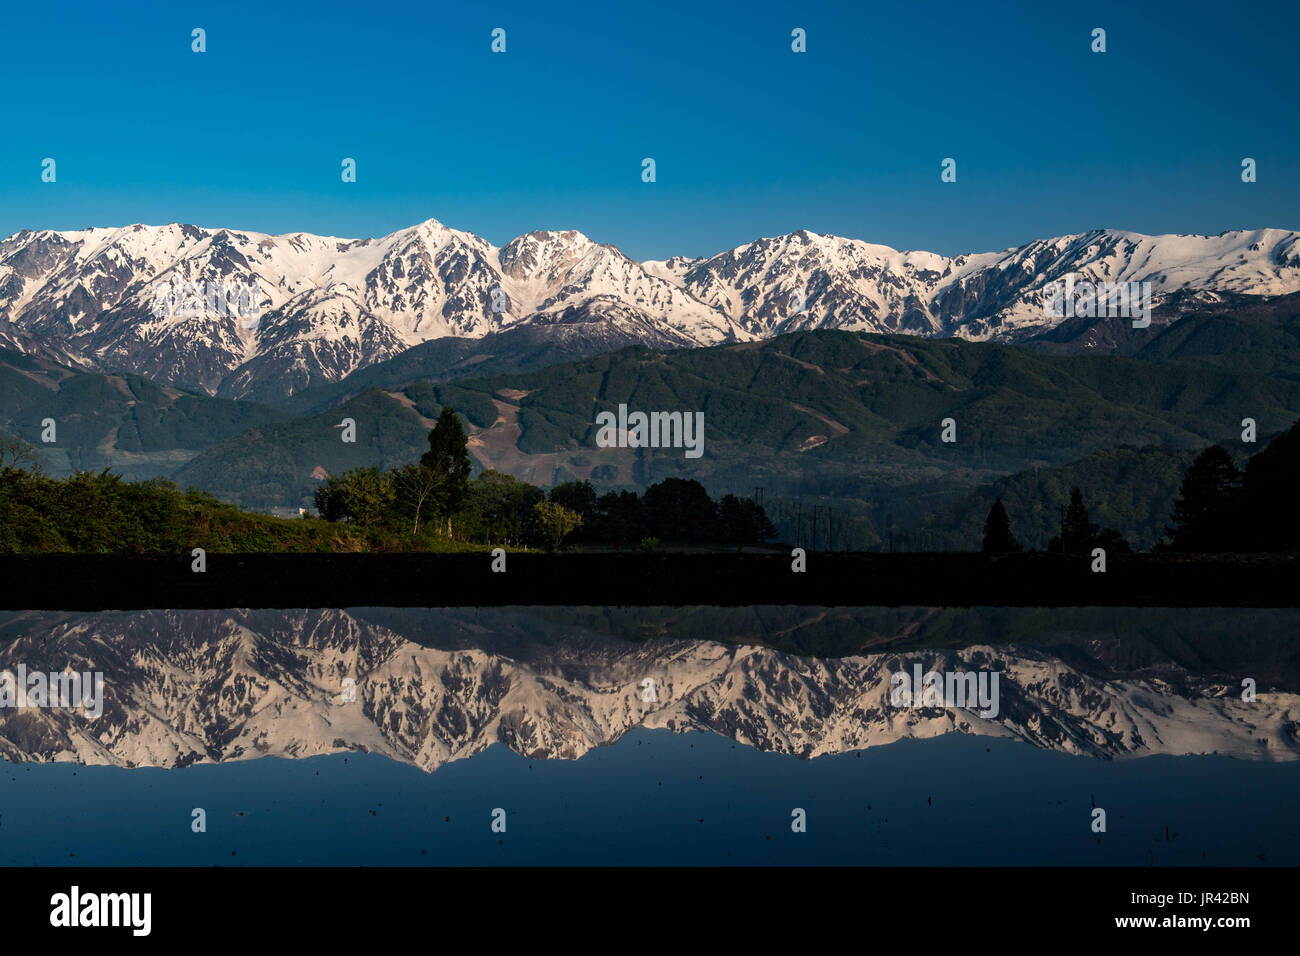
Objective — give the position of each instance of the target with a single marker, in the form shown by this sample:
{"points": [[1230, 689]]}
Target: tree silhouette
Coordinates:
{"points": [[1271, 518], [448, 459], [620, 517], [679, 509], [1207, 499], [1112, 541], [1081, 536], [998, 538], [743, 521], [1078, 533]]}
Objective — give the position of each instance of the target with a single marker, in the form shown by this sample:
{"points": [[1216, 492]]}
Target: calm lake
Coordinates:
{"points": [[654, 737]]}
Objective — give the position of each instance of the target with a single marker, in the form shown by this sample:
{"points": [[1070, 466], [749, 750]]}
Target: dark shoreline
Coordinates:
{"points": [[113, 582]]}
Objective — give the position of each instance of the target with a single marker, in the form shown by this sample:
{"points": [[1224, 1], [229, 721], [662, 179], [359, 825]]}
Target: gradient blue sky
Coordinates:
{"points": [[750, 139]]}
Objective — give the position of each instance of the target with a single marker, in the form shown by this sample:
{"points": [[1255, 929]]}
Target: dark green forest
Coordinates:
{"points": [[840, 415], [834, 436], [431, 504]]}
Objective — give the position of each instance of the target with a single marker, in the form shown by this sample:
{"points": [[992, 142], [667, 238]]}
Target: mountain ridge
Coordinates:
{"points": [[325, 307]]}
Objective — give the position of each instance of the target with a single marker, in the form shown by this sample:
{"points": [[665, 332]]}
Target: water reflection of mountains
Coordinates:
{"points": [[432, 686]]}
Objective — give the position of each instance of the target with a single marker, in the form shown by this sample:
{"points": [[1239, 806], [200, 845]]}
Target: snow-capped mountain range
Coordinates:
{"points": [[325, 307], [184, 687]]}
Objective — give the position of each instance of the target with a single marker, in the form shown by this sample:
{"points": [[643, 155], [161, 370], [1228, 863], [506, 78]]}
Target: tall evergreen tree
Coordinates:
{"points": [[1270, 516], [1207, 499], [998, 538], [1079, 532], [448, 459]]}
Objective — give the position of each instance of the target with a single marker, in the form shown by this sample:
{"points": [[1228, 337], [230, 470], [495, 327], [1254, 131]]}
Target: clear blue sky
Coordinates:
{"points": [[750, 139]]}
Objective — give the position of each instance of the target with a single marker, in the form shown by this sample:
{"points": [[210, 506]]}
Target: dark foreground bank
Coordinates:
{"points": [[106, 582]]}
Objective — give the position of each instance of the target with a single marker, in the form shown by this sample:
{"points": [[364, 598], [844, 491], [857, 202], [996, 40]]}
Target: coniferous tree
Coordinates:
{"points": [[1078, 531], [1207, 498], [998, 538], [1270, 517], [448, 459]]}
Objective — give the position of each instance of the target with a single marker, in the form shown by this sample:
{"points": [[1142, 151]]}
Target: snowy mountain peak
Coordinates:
{"points": [[544, 256], [90, 294]]}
